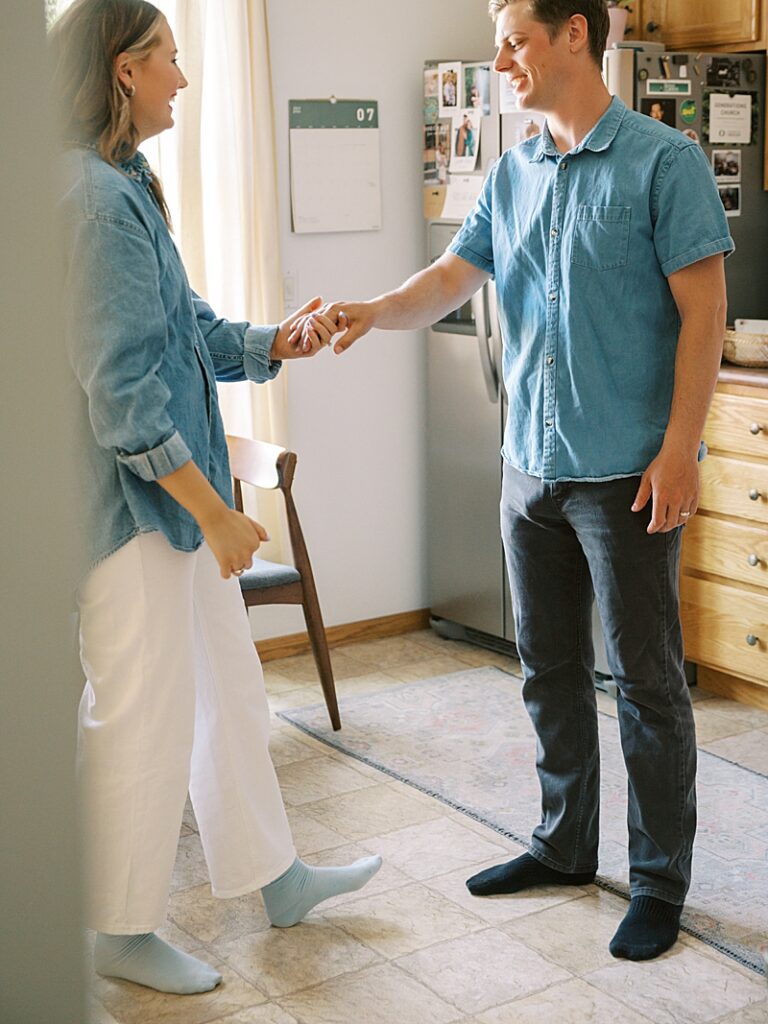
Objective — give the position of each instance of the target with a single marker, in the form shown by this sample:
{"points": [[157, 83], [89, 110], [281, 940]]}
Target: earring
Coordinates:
{"points": [[129, 91]]}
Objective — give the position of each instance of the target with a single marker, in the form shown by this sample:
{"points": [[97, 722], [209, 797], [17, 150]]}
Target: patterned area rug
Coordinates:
{"points": [[465, 739]]}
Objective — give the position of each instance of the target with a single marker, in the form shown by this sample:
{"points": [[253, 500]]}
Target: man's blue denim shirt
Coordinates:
{"points": [[581, 246], [147, 353]]}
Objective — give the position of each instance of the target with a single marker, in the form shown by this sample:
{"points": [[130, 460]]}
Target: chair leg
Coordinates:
{"points": [[319, 642]]}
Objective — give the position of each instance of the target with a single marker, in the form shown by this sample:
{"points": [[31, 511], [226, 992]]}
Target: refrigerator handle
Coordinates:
{"points": [[494, 330], [480, 313]]}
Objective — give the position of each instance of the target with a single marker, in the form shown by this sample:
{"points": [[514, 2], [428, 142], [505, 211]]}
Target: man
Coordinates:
{"points": [[605, 235]]}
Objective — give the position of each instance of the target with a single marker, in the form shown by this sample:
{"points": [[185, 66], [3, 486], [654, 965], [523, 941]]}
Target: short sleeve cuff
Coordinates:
{"points": [[700, 252], [458, 249], [256, 362], [159, 461]]}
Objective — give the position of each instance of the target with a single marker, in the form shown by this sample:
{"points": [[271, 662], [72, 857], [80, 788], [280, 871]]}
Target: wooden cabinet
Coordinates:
{"points": [[688, 24], [724, 583]]}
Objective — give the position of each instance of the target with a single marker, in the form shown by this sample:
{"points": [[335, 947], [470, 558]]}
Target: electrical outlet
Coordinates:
{"points": [[290, 291]]}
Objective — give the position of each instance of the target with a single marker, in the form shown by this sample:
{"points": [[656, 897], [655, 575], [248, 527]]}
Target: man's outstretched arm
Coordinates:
{"points": [[422, 300]]}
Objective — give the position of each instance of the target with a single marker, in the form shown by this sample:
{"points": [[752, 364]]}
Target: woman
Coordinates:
{"points": [[174, 698]]}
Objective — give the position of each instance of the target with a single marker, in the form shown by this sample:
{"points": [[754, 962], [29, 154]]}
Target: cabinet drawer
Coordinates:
{"points": [[726, 485], [727, 549], [716, 622], [738, 424]]}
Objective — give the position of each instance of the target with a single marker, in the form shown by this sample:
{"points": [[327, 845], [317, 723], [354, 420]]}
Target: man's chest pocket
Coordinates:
{"points": [[601, 237]]}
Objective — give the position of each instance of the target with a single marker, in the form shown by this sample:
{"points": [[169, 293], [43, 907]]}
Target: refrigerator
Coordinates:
{"points": [[469, 594], [718, 99]]}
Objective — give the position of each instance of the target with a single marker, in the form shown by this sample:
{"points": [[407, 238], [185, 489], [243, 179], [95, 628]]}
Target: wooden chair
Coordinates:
{"points": [[269, 466]]}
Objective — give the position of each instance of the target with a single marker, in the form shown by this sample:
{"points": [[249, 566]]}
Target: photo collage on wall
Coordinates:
{"points": [[711, 100]]}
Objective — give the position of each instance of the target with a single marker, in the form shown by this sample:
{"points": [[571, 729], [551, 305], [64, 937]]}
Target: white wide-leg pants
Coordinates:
{"points": [[174, 701]]}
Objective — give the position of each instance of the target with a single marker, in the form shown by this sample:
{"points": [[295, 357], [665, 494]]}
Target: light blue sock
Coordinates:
{"points": [[291, 896], [149, 961]]}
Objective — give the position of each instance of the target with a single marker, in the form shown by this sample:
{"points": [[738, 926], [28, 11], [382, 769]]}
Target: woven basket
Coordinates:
{"points": [[745, 349]]}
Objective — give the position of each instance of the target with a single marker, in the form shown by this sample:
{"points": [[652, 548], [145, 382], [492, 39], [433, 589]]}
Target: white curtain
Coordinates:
{"points": [[218, 170]]}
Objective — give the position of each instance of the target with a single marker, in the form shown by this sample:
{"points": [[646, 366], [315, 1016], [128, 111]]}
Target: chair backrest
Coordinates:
{"points": [[270, 466], [255, 462]]}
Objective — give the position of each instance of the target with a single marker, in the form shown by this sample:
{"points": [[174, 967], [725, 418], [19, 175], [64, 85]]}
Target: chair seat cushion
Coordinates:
{"points": [[262, 575]]}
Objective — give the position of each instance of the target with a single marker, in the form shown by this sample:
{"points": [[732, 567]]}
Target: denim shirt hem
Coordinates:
{"points": [[137, 532], [572, 479]]}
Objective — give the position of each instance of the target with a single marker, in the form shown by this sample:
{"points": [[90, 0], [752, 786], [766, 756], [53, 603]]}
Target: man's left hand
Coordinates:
{"points": [[672, 481]]}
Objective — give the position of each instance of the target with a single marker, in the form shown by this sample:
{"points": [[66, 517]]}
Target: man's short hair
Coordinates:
{"points": [[555, 13]]}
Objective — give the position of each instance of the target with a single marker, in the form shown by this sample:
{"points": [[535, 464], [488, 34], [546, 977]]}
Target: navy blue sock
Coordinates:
{"points": [[522, 873], [649, 928]]}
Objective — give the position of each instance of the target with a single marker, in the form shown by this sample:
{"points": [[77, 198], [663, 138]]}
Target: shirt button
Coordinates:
{"points": [[552, 296], [550, 360], [553, 232], [548, 423], [564, 165]]}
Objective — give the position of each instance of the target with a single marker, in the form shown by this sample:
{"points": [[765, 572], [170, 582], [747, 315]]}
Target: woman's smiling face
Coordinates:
{"points": [[156, 81]]}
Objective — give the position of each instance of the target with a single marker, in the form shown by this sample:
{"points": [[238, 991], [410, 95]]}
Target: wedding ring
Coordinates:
{"points": [[238, 572], [684, 515]]}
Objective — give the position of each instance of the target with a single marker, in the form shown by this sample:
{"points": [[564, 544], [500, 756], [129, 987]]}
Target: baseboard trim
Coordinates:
{"points": [[724, 685], [365, 629]]}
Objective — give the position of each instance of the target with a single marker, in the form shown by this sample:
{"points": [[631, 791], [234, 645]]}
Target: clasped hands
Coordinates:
{"points": [[305, 332]]}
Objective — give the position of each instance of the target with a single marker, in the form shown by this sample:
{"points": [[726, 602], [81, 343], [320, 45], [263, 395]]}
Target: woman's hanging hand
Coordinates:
{"points": [[233, 538]]}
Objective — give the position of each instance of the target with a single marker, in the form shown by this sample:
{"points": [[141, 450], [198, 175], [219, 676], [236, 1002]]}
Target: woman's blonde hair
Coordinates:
{"points": [[94, 109]]}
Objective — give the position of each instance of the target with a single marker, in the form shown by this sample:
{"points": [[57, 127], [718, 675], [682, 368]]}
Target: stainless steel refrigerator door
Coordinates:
{"points": [[465, 557]]}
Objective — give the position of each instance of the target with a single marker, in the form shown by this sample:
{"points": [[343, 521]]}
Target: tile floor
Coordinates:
{"points": [[414, 947]]}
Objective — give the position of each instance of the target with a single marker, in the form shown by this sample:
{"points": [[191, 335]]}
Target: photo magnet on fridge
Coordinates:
{"points": [[450, 88], [477, 87], [726, 163], [724, 72], [466, 140], [730, 196], [660, 109]]}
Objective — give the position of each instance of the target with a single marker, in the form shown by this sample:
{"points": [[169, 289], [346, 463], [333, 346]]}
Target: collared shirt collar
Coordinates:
{"points": [[597, 139]]}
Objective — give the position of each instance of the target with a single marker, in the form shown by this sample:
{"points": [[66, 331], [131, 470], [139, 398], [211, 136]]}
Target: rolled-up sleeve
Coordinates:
{"points": [[689, 219], [116, 344], [239, 350]]}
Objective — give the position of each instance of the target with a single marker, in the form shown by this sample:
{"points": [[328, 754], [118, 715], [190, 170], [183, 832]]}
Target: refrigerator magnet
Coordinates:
{"points": [[466, 141], [477, 87], [449, 85], [730, 196], [688, 111], [726, 164], [660, 108]]}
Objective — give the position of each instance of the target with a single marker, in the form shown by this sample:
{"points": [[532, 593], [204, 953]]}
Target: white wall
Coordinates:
{"points": [[357, 421]]}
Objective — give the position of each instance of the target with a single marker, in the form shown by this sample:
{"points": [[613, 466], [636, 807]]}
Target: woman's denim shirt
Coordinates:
{"points": [[147, 353]]}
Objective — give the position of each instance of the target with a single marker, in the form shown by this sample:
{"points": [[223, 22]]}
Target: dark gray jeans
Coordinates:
{"points": [[561, 541]]}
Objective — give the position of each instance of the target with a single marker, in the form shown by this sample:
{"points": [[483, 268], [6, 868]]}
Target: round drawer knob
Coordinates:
{"points": [[753, 559], [752, 639], [755, 428], [754, 494], [652, 26]]}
